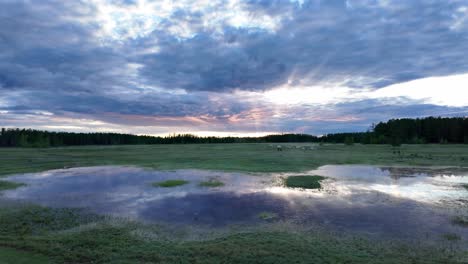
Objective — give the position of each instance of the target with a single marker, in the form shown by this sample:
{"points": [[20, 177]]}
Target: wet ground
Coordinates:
{"points": [[400, 202]]}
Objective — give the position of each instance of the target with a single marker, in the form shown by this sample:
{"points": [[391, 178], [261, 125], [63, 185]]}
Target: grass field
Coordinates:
{"points": [[61, 238], [12, 256], [34, 234], [170, 183], [228, 157], [306, 182], [211, 183], [6, 185]]}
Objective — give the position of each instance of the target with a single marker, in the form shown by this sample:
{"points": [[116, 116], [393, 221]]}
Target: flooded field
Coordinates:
{"points": [[393, 201]]}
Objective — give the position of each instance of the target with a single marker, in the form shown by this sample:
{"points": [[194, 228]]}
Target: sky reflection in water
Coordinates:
{"points": [[395, 201]]}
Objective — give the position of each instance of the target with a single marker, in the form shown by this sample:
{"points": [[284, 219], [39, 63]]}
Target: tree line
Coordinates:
{"points": [[36, 138], [395, 132], [409, 131]]}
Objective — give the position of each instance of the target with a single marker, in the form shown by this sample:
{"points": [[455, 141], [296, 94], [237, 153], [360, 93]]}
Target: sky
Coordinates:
{"points": [[230, 67]]}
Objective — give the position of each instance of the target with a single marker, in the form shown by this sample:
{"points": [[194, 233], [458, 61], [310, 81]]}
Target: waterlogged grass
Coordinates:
{"points": [[110, 242], [170, 183], [228, 157], [461, 221], [211, 183], [14, 256], [306, 182], [451, 237], [267, 216], [28, 220], [36, 233], [7, 185]]}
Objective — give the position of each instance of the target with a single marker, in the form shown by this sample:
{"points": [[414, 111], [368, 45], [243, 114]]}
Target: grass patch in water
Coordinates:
{"points": [[306, 182], [211, 183], [465, 186], [7, 185], [170, 183], [460, 220], [267, 215], [451, 237]]}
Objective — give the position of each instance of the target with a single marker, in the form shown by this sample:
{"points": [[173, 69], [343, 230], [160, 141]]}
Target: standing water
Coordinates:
{"points": [[401, 202]]}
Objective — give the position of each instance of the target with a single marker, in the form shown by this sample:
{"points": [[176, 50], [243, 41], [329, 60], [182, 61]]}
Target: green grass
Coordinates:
{"points": [[306, 182], [13, 256], [34, 220], [212, 183], [228, 157], [170, 183], [7, 185], [69, 236], [107, 242]]}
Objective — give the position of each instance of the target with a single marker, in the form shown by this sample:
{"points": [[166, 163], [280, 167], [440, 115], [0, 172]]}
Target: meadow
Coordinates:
{"points": [[34, 234], [230, 157]]}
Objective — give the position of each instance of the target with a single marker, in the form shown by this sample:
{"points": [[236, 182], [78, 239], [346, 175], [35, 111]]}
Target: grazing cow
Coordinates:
{"points": [[279, 148]]}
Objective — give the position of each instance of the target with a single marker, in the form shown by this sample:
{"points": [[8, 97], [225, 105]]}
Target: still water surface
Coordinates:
{"points": [[401, 202]]}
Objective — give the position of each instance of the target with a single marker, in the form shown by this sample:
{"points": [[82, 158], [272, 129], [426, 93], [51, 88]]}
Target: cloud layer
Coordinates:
{"points": [[235, 66]]}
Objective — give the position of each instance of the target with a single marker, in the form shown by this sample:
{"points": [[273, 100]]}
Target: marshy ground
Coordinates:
{"points": [[360, 213]]}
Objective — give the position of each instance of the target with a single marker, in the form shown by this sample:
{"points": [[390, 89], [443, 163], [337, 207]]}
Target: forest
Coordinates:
{"points": [[395, 132], [408, 131]]}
